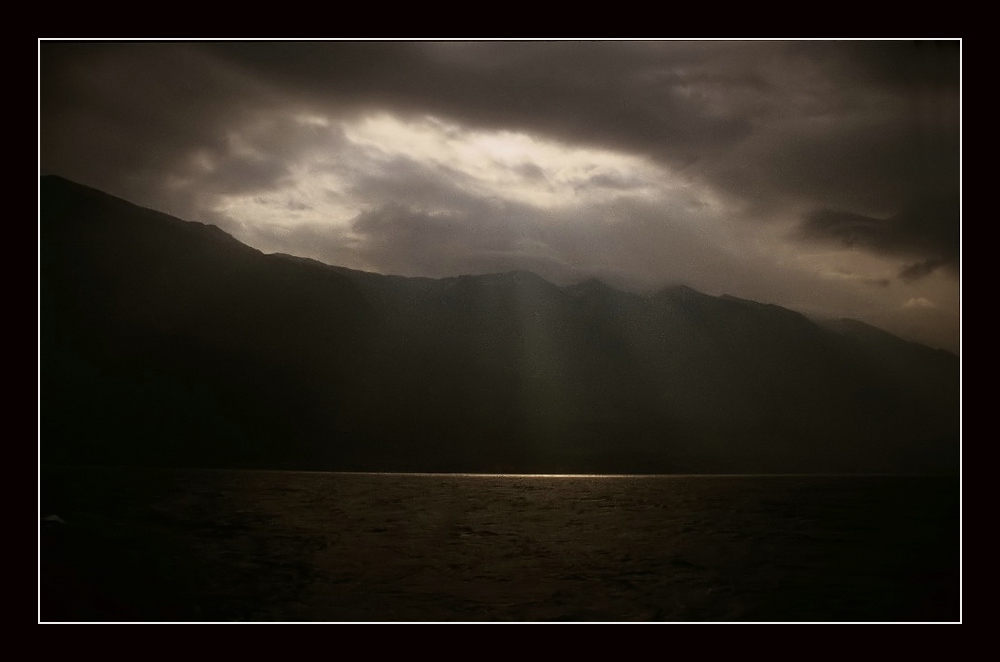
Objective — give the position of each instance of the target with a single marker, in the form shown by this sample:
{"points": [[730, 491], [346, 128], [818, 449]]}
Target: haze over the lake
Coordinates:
{"points": [[823, 176]]}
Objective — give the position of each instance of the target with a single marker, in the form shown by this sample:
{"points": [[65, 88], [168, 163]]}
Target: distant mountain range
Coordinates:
{"points": [[165, 342]]}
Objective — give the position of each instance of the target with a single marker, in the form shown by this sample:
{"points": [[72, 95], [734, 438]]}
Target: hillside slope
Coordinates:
{"points": [[169, 342]]}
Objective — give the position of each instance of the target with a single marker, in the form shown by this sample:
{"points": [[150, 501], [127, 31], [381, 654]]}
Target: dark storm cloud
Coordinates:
{"points": [[866, 163], [927, 228], [118, 112], [848, 126], [245, 174], [624, 95], [862, 126], [930, 65]]}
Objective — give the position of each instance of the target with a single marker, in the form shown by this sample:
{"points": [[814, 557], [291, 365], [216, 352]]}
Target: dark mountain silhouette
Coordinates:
{"points": [[167, 342]]}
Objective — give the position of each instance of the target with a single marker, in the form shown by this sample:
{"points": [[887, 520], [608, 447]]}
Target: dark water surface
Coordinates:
{"points": [[191, 545]]}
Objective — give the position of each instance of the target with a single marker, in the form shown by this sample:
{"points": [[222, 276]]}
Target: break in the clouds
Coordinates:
{"points": [[819, 175]]}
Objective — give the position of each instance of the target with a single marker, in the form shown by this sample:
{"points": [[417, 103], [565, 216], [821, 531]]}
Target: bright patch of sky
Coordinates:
{"points": [[341, 169], [501, 166]]}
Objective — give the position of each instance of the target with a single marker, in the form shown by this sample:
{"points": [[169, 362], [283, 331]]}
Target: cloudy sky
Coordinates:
{"points": [[823, 176]]}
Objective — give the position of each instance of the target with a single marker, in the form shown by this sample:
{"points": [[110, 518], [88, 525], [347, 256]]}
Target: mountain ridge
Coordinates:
{"points": [[678, 290], [154, 328]]}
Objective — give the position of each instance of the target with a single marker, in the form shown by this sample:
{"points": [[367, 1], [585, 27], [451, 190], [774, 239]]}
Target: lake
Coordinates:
{"points": [[172, 545]]}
